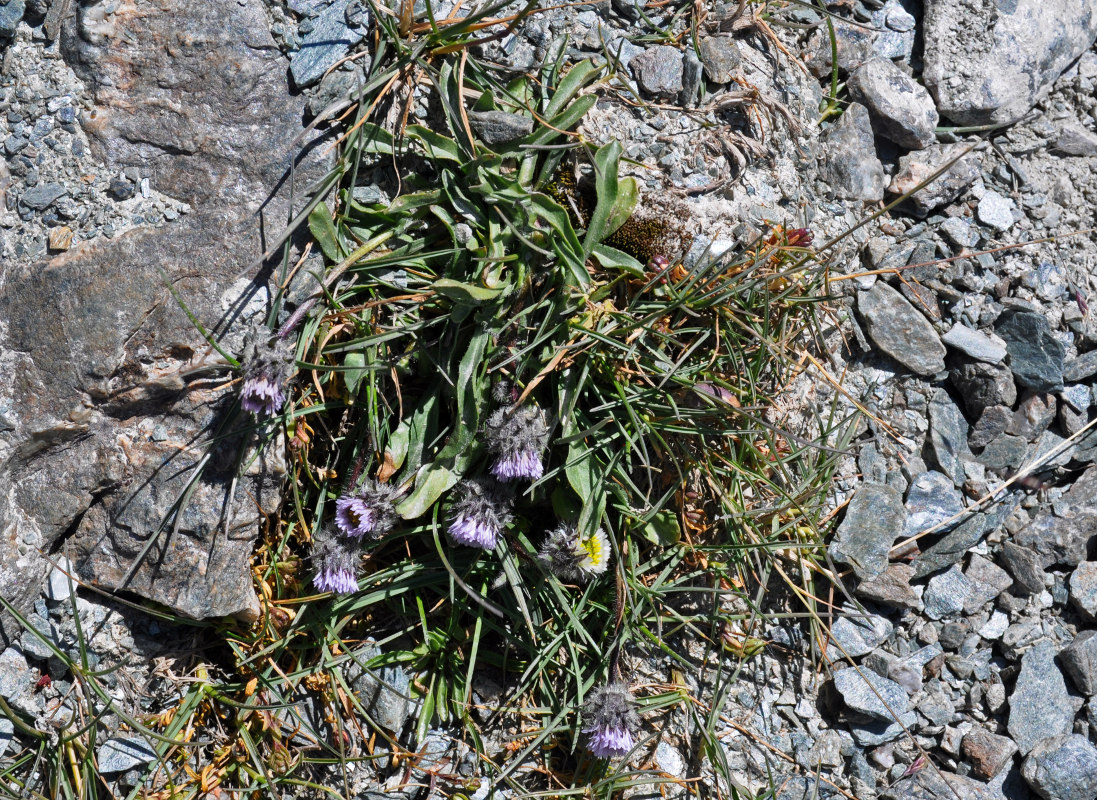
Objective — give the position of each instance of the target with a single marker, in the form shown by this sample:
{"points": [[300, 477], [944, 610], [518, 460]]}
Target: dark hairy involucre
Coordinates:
{"points": [[610, 720], [379, 499], [336, 562], [268, 367]]}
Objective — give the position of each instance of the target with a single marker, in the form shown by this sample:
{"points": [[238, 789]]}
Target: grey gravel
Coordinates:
{"points": [[329, 40], [43, 196], [499, 127], [1074, 140], [1040, 705], [900, 330], [659, 70], [720, 57], [851, 168], [946, 594], [960, 232], [901, 108], [1062, 768], [868, 693]]}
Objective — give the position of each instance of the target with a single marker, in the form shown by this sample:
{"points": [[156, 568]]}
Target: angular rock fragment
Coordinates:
{"points": [[850, 165], [960, 171], [874, 519], [900, 330], [1062, 768], [1040, 705], [901, 108]]}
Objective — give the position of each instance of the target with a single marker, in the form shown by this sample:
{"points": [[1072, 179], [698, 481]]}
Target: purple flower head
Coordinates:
{"points": [[352, 516], [368, 510], [479, 514], [611, 719], [517, 438], [336, 564], [268, 366], [261, 396]]}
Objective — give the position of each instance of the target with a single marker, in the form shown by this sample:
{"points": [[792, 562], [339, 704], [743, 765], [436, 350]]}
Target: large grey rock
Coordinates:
{"points": [[946, 594], [900, 107], [720, 57], [1083, 589], [1074, 140], [1079, 659], [499, 127], [988, 63], [932, 783], [874, 519], [1036, 357], [850, 166], [952, 547], [1062, 768], [1040, 705], [900, 330], [214, 127], [1060, 541], [892, 587], [329, 40], [119, 754], [987, 752], [10, 14], [960, 171]]}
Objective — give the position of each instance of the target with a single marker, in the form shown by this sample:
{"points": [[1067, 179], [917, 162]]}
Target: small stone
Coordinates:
{"points": [[868, 693], [1024, 565], [851, 168], [121, 189], [874, 518], [854, 45], [995, 626], [931, 499], [1080, 368], [43, 196], [988, 753], [329, 40], [996, 211], [917, 167], [988, 580], [7, 733], [947, 435], [118, 754], [946, 593], [1004, 453], [670, 760], [1083, 589], [1079, 397], [1036, 356], [1062, 768], [720, 56], [993, 422], [659, 70], [982, 385], [1034, 415], [900, 331], [10, 14], [901, 107], [1074, 140], [60, 238], [961, 233], [1080, 660], [14, 673], [59, 586], [976, 344], [933, 783], [1040, 705], [854, 636], [907, 671], [892, 588], [952, 548], [1060, 541], [499, 127]]}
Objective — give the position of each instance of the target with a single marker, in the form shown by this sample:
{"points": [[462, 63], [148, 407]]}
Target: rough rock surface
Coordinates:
{"points": [[994, 71], [1040, 705], [900, 330], [107, 429], [901, 108]]}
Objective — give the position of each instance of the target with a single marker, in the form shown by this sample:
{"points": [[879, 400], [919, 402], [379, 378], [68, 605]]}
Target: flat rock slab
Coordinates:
{"points": [[874, 519], [868, 693], [1036, 357], [1040, 705], [934, 784], [901, 108], [898, 329], [918, 167], [989, 63], [850, 166], [194, 93]]}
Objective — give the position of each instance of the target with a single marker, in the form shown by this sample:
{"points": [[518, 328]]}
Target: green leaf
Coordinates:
{"points": [[612, 258], [580, 470], [628, 195], [432, 481], [577, 77], [323, 230], [436, 146], [464, 292], [397, 449], [353, 376], [606, 161], [567, 244], [662, 529]]}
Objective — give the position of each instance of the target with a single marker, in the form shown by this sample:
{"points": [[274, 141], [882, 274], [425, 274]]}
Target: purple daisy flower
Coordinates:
{"points": [[611, 720], [479, 515], [517, 438], [353, 516], [336, 564]]}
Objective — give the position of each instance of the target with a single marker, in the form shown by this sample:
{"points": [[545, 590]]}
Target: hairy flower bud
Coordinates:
{"points": [[610, 720], [336, 561], [268, 366], [369, 510], [480, 513], [517, 438]]}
